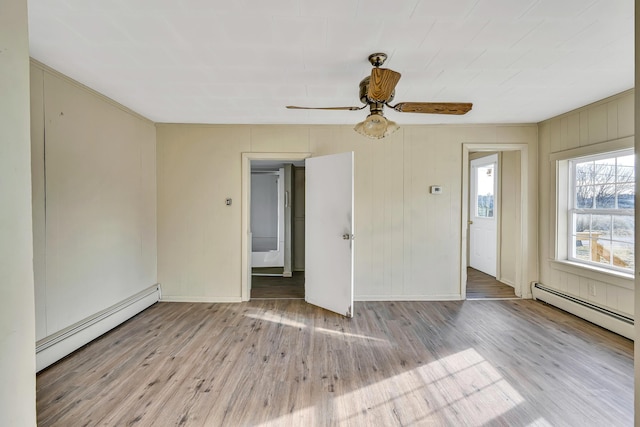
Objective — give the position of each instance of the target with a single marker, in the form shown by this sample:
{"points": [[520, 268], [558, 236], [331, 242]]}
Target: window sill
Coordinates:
{"points": [[618, 278]]}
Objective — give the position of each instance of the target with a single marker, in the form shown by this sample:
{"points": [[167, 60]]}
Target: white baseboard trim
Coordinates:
{"points": [[615, 322], [56, 346], [506, 282], [179, 298], [443, 297]]}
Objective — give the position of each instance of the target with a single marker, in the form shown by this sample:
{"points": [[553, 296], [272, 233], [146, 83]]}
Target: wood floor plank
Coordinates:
{"points": [[284, 362]]}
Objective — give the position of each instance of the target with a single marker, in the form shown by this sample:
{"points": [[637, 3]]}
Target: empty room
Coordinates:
{"points": [[317, 213]]}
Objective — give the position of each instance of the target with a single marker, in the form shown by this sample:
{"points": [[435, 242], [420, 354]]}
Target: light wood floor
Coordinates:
{"points": [[287, 363], [481, 286]]}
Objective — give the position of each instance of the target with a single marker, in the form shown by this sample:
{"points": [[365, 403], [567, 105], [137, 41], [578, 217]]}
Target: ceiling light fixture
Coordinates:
{"points": [[377, 91], [376, 126]]}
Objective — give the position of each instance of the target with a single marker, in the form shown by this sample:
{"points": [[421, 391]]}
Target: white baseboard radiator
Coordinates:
{"points": [[54, 347], [608, 319]]}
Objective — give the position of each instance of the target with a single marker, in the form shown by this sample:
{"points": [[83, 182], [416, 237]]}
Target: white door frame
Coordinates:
{"points": [[522, 255], [246, 210]]}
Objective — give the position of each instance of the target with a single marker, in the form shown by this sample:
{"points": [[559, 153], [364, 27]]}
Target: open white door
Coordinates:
{"points": [[329, 232], [483, 213]]}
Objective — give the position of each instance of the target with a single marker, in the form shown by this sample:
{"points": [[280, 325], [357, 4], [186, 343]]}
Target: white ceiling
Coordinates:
{"points": [[242, 61]]}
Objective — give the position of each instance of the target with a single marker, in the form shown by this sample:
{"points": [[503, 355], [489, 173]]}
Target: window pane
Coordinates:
{"points": [[605, 196], [584, 173], [625, 174], [623, 255], [484, 180], [626, 168], [626, 194], [581, 248], [581, 223], [602, 252], [623, 228], [601, 226], [605, 171], [582, 240], [584, 197]]}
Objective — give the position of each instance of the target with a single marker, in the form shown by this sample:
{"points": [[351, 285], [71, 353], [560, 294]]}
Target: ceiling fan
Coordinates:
{"points": [[378, 90]]}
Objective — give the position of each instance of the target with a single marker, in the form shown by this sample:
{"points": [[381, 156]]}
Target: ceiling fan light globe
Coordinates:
{"points": [[376, 126]]}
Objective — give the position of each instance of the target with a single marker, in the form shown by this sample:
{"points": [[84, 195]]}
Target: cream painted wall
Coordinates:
{"points": [[587, 130], [509, 215], [17, 325], [408, 241], [96, 245]]}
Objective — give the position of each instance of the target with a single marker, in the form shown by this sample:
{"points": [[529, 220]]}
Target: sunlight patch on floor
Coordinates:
{"points": [[280, 319], [460, 389], [348, 335], [540, 422], [276, 319]]}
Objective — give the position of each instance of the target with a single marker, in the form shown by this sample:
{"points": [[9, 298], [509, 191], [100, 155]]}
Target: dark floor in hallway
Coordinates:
{"points": [[278, 287], [481, 285]]}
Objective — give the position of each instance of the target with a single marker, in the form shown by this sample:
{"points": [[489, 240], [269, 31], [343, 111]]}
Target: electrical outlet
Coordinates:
{"points": [[592, 289]]}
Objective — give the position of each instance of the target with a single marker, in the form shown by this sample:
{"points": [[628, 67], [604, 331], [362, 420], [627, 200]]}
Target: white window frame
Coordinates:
{"points": [[567, 168]]}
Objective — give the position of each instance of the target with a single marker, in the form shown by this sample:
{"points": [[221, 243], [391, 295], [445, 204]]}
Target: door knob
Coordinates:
{"points": [[470, 222], [346, 236]]}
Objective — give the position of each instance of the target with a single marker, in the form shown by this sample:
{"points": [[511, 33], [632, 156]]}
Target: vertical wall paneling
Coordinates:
{"points": [[38, 194], [600, 125], [298, 217], [408, 240], [510, 215], [94, 199], [17, 325], [288, 219], [199, 245], [100, 203]]}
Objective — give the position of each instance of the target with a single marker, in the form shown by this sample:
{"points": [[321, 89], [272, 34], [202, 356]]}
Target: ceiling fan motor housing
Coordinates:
{"points": [[364, 91]]}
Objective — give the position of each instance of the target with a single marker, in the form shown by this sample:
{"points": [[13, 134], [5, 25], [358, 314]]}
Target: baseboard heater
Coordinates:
{"points": [[54, 347], [608, 319]]}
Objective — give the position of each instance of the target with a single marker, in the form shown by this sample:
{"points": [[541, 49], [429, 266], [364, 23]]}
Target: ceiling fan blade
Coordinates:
{"points": [[458, 108], [293, 107], [382, 83]]}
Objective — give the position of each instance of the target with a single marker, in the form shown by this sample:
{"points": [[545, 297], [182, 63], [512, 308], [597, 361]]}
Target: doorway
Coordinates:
{"points": [[329, 228], [484, 209], [494, 253], [277, 229]]}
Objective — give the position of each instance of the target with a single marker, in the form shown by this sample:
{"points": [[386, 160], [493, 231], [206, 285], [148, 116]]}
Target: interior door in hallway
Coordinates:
{"points": [[329, 232], [483, 214]]}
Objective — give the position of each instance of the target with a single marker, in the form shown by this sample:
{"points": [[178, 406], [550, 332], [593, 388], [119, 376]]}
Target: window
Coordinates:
{"points": [[601, 210], [484, 188]]}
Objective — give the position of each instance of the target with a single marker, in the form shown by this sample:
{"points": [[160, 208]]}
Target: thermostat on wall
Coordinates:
{"points": [[436, 189]]}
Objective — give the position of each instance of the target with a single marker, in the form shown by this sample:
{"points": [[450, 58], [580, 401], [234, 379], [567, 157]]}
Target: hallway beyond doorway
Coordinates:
{"points": [[482, 286], [274, 287]]}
